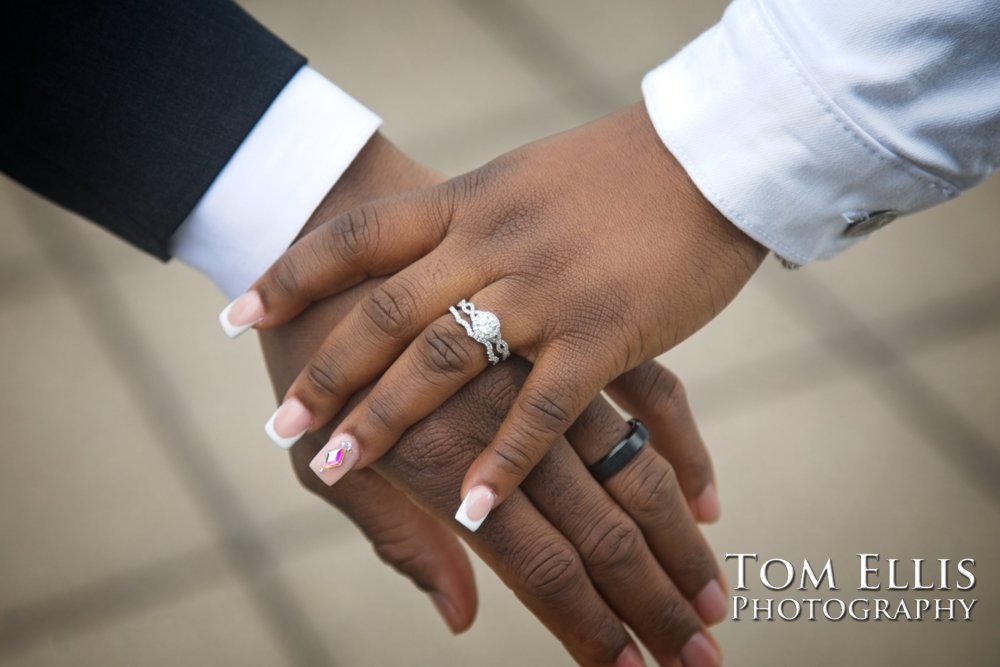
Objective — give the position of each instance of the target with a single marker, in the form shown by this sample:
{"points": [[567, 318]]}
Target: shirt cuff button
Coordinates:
{"points": [[861, 223]]}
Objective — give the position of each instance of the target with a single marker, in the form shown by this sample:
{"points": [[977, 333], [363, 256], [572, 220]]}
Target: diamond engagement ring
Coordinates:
{"points": [[483, 327]]}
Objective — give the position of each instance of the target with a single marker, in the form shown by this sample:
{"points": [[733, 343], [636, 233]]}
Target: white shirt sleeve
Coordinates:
{"points": [[264, 195], [796, 118]]}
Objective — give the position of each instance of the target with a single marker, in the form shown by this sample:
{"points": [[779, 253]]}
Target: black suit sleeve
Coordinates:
{"points": [[124, 111]]}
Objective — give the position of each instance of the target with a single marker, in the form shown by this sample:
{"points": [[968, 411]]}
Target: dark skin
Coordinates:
{"points": [[593, 247], [586, 559]]}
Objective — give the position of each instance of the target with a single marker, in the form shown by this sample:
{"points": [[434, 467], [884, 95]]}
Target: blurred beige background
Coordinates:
{"points": [[146, 520]]}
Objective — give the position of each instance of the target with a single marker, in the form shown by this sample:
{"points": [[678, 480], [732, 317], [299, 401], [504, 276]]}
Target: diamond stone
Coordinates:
{"points": [[335, 457], [486, 324]]}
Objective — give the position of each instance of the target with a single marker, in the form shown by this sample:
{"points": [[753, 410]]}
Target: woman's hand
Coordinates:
{"points": [[589, 560], [584, 557], [593, 247]]}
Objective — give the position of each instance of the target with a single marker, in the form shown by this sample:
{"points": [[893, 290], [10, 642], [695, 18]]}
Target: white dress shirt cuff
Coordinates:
{"points": [[264, 195], [765, 144]]}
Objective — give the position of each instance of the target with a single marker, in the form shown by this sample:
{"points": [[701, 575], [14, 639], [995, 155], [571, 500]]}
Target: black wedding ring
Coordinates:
{"points": [[622, 453]]}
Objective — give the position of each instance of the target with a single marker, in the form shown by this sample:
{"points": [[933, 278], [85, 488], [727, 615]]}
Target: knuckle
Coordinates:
{"points": [[603, 640], [650, 491], [443, 204], [696, 469], [652, 497], [432, 457], [389, 308], [551, 570], [598, 423], [442, 352], [669, 389], [284, 277], [611, 547], [696, 569], [655, 385], [322, 377], [354, 233], [598, 636], [549, 415], [593, 315], [674, 621], [381, 412], [463, 188], [403, 551], [514, 458], [475, 184], [495, 389], [497, 396]]}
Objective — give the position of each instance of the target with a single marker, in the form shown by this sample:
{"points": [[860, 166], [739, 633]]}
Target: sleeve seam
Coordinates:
{"points": [[722, 203], [843, 120]]}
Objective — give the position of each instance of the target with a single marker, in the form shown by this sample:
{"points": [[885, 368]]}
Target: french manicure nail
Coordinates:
{"points": [[288, 423], [245, 311], [699, 652], [711, 603], [706, 506], [475, 507], [630, 657], [335, 459]]}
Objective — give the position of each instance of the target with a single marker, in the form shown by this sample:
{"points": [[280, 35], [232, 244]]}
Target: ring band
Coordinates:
{"points": [[483, 327], [622, 453]]}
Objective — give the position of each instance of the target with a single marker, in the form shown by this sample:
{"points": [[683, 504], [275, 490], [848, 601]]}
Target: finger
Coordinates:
{"points": [[528, 554], [442, 359], [657, 397], [375, 239], [405, 537], [414, 543], [549, 402], [430, 371], [647, 489], [546, 573], [367, 340], [615, 553]]}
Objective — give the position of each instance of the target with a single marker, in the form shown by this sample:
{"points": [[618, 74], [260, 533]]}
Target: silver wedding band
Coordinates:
{"points": [[482, 327]]}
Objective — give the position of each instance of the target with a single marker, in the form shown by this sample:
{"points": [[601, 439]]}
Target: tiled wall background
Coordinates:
{"points": [[145, 520]]}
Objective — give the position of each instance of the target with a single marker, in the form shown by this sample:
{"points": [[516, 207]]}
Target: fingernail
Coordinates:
{"points": [[447, 610], [288, 423], [630, 657], [335, 459], [245, 311], [699, 652], [711, 603], [706, 506], [475, 507]]}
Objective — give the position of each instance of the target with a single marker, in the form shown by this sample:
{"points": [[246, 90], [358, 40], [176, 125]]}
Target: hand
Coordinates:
{"points": [[585, 560], [647, 566], [593, 247], [402, 534]]}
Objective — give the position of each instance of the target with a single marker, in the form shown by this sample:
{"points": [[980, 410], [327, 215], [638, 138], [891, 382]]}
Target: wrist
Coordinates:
{"points": [[379, 170], [716, 233]]}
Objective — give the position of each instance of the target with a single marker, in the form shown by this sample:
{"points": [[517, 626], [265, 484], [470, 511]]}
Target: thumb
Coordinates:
{"points": [[375, 239], [408, 539]]}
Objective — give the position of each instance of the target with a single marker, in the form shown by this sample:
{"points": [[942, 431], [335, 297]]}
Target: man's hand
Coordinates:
{"points": [[593, 247], [583, 558]]}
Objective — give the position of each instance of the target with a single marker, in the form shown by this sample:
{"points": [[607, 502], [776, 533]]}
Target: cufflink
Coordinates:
{"points": [[860, 223]]}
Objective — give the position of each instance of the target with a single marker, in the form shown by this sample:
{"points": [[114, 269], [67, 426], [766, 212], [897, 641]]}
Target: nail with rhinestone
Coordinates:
{"points": [[333, 461]]}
